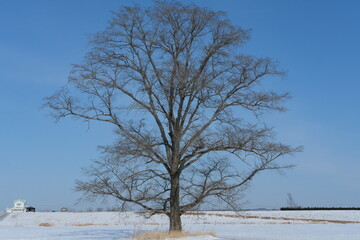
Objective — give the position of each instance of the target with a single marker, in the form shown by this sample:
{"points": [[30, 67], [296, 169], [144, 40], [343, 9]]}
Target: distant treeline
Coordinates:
{"points": [[317, 208]]}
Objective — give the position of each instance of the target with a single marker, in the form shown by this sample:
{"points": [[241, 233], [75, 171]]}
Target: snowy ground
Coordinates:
{"points": [[252, 225]]}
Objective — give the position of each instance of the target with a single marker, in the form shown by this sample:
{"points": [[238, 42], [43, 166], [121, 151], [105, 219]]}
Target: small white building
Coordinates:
{"points": [[19, 206]]}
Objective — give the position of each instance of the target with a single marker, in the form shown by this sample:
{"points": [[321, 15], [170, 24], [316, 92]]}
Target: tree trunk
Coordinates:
{"points": [[175, 213]]}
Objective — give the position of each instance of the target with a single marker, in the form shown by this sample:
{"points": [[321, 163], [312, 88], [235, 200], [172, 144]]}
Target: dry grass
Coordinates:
{"points": [[276, 223], [158, 235], [152, 224], [46, 225], [82, 224], [86, 224]]}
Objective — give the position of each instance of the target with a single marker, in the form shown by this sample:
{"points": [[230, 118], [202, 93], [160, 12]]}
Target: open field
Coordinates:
{"points": [[250, 225]]}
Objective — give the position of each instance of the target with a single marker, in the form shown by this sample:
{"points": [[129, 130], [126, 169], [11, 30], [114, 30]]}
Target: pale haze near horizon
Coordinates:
{"points": [[315, 42]]}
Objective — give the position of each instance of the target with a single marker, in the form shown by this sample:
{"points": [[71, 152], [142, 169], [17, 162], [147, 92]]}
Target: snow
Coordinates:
{"points": [[252, 225], [340, 215], [62, 232]]}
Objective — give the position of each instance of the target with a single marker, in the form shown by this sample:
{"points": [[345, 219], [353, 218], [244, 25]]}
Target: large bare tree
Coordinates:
{"points": [[182, 99]]}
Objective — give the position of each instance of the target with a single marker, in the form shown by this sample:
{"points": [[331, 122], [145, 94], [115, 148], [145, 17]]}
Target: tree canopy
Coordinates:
{"points": [[172, 82]]}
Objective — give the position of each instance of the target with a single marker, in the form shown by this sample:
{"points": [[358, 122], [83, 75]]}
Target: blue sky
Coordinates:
{"points": [[316, 43]]}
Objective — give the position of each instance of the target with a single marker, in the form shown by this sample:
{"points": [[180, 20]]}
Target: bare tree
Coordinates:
{"points": [[291, 202], [171, 81]]}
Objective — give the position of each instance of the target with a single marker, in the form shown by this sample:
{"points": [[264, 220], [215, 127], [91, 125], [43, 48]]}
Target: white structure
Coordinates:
{"points": [[19, 206]]}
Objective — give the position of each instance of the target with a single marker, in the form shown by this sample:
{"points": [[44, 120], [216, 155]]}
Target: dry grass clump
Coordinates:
{"points": [[158, 235], [152, 223], [46, 225], [82, 224]]}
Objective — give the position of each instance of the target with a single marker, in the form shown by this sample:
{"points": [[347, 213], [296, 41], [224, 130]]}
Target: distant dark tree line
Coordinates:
{"points": [[317, 208]]}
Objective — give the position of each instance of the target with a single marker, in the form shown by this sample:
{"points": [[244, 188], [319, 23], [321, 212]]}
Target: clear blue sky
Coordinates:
{"points": [[316, 42]]}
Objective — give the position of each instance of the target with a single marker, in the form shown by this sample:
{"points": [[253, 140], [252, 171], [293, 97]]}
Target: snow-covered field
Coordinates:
{"points": [[250, 225]]}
